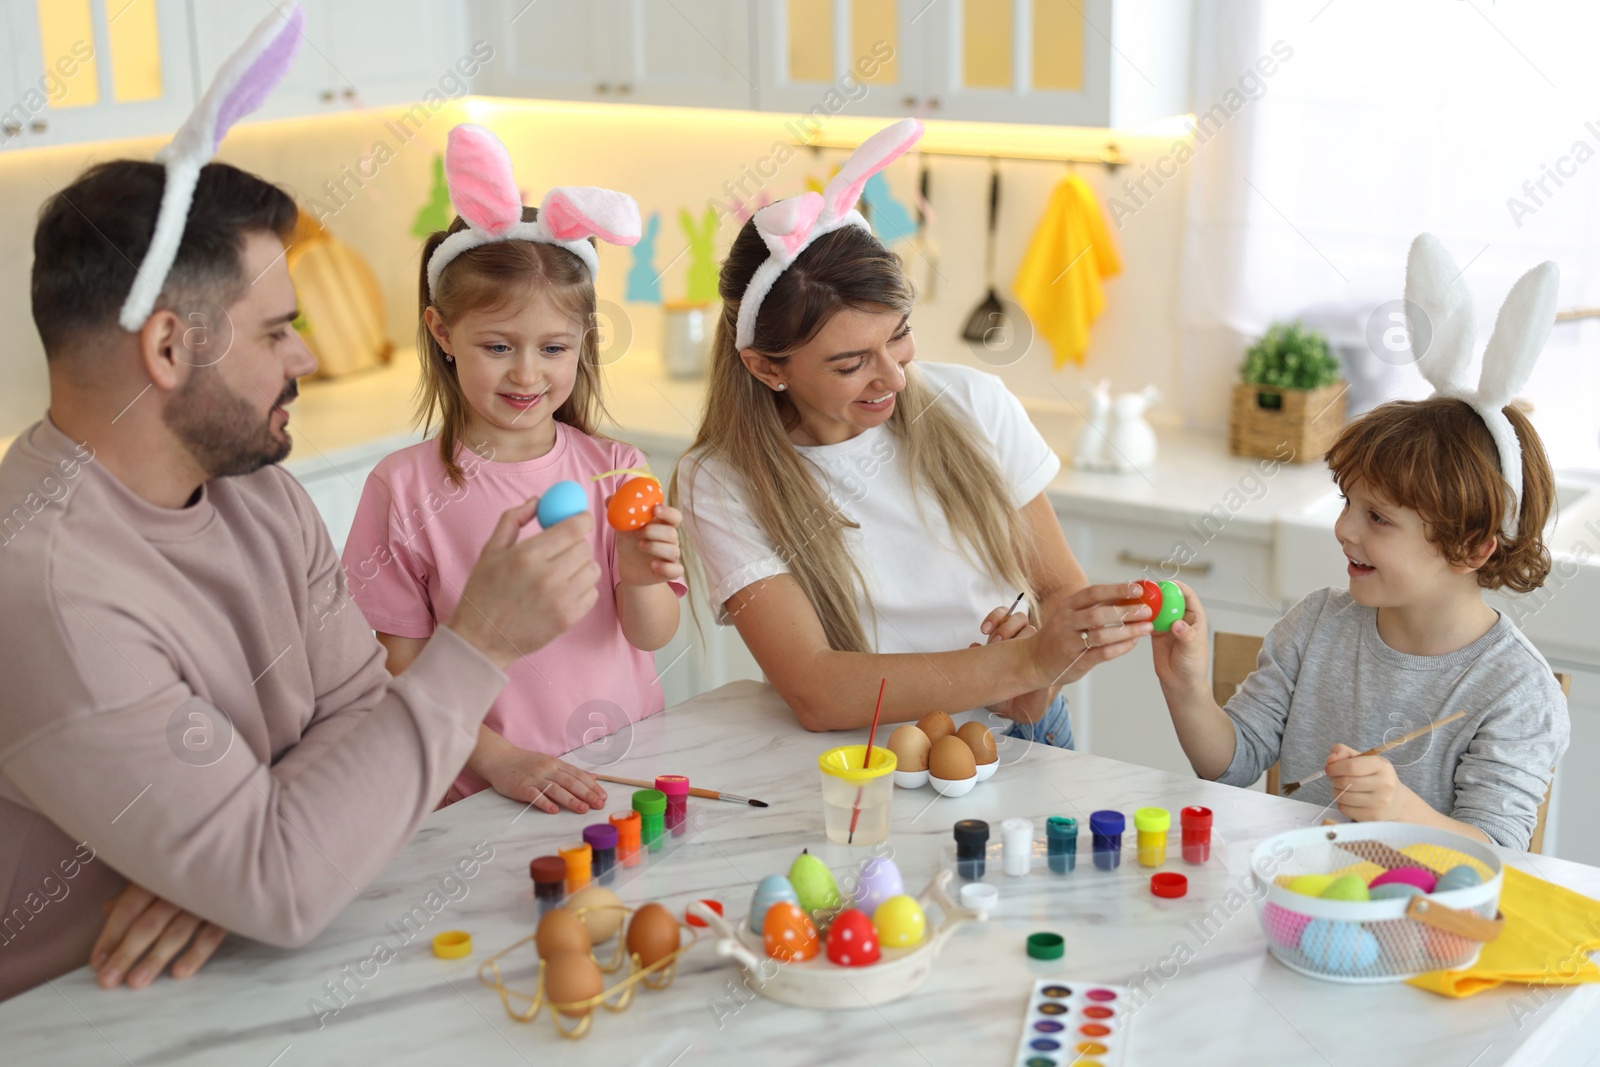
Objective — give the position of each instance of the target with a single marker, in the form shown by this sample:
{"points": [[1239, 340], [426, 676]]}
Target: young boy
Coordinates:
{"points": [[1411, 641]]}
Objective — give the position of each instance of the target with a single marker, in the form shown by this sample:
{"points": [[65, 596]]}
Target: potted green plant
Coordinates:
{"points": [[1289, 399]]}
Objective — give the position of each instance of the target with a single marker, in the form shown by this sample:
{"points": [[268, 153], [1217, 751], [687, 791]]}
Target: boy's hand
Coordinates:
{"points": [[1024, 707], [1182, 656], [545, 782], [650, 555], [1366, 788], [143, 933]]}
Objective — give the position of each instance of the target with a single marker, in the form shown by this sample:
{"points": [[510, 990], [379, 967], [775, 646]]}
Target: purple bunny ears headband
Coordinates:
{"points": [[242, 84], [1439, 320], [790, 226], [483, 190]]}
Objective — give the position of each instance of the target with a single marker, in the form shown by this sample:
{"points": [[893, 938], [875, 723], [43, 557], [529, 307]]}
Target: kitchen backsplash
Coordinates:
{"points": [[368, 174]]}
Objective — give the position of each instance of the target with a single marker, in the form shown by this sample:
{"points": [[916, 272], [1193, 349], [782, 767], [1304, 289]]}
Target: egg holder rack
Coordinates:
{"points": [[1374, 941], [618, 998], [1084, 866], [820, 983]]}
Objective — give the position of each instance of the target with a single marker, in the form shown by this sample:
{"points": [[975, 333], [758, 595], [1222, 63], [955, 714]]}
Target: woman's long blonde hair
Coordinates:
{"points": [[491, 276], [746, 425]]}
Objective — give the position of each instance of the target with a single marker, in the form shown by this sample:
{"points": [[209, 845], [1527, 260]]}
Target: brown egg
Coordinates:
{"points": [[605, 914], [910, 747], [952, 760], [560, 931], [936, 724], [652, 934], [980, 740], [570, 977]]}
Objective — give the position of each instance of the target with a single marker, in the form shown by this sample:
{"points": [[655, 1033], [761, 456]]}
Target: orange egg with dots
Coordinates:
{"points": [[789, 934], [634, 504]]}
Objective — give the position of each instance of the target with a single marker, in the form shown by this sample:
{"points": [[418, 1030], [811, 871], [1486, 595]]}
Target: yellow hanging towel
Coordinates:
{"points": [[1058, 284], [1548, 935]]}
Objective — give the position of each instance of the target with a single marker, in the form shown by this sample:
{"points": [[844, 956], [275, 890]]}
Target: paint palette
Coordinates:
{"points": [[1075, 1024]]}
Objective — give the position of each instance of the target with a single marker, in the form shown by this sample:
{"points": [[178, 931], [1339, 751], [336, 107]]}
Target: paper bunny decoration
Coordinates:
{"points": [[1439, 320], [483, 190], [791, 225], [701, 287], [242, 84], [644, 281]]}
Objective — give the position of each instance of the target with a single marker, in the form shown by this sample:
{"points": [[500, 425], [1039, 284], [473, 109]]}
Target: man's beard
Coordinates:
{"points": [[221, 429]]}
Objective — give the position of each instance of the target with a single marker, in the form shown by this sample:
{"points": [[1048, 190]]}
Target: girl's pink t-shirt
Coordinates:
{"points": [[414, 541]]}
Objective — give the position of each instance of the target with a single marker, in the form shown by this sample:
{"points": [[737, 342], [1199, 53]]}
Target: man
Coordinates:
{"points": [[191, 707]]}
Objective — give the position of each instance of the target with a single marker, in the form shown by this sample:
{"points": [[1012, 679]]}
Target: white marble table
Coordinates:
{"points": [[1230, 1004]]}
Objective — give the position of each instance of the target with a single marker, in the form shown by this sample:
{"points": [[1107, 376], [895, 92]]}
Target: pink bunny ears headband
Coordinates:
{"points": [[1439, 320], [483, 190], [242, 84], [790, 226]]}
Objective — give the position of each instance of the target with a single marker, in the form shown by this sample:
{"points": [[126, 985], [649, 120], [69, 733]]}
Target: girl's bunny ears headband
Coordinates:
{"points": [[790, 226], [242, 84], [1439, 320], [483, 190]]}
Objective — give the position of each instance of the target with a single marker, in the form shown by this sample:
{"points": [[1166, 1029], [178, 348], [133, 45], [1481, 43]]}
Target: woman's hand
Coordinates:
{"points": [[545, 782], [651, 555], [142, 935], [1025, 707], [1087, 628]]}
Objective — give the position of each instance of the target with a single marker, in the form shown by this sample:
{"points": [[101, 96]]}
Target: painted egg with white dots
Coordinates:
{"points": [[852, 942], [788, 933], [635, 503]]}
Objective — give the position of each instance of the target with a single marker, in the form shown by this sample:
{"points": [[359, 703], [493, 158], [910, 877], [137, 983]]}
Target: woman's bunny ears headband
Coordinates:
{"points": [[242, 84], [1439, 320], [790, 226], [483, 190]]}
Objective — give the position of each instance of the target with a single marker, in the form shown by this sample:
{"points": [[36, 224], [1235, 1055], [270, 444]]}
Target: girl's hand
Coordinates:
{"points": [[1366, 788], [1024, 707], [1182, 656], [543, 781], [142, 935], [651, 555]]}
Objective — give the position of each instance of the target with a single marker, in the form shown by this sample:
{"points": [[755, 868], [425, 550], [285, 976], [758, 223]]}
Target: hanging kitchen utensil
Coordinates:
{"points": [[925, 264], [990, 313]]}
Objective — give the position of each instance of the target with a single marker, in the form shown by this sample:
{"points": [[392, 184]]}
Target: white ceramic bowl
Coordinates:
{"points": [[986, 770], [947, 788], [910, 779]]}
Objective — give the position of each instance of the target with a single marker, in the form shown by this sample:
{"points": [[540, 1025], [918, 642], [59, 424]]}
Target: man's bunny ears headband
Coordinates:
{"points": [[242, 84], [1439, 320], [483, 190], [790, 226]]}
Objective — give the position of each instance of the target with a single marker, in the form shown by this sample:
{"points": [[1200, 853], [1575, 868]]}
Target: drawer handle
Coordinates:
{"points": [[1199, 570]]}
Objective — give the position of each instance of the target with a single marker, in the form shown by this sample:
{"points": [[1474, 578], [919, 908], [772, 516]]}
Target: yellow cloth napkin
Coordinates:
{"points": [[1058, 284], [1548, 933]]}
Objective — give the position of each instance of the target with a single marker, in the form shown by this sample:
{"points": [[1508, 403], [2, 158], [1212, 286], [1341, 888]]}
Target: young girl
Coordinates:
{"points": [[509, 371], [859, 519], [1444, 498]]}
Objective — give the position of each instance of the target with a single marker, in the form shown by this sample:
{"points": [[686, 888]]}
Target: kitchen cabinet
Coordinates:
{"points": [[81, 74], [690, 53], [16, 116]]}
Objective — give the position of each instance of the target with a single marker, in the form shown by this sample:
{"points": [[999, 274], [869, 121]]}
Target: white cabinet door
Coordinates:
{"points": [[818, 58], [402, 51], [313, 83], [17, 113], [548, 49]]}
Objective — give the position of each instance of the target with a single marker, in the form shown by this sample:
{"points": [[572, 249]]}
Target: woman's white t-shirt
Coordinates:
{"points": [[928, 593]]}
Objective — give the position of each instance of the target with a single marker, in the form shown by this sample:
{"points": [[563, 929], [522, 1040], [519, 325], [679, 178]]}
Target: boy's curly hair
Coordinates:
{"points": [[1437, 458]]}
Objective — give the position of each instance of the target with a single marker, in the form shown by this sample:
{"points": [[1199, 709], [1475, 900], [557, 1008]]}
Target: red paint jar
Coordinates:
{"points": [[1196, 823]]}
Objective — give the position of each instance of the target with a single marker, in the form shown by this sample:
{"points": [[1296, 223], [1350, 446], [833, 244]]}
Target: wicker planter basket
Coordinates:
{"points": [[1268, 421]]}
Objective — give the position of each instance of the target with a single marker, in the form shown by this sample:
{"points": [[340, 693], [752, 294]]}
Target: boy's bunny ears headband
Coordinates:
{"points": [[242, 84], [483, 190], [790, 226], [1439, 320]]}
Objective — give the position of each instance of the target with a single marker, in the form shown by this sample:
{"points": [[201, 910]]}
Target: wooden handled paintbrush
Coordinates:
{"points": [[1289, 790]]}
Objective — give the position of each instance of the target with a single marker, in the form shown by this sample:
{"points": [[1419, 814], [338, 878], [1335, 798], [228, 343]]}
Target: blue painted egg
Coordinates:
{"points": [[773, 889], [1459, 877], [562, 501], [1395, 891], [1342, 948]]}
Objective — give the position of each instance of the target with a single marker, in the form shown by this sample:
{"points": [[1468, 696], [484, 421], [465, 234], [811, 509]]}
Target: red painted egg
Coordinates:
{"points": [[634, 503], [852, 942], [1150, 596], [789, 934]]}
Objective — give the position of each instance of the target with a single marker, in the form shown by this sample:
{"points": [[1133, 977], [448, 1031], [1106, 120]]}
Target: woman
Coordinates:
{"points": [[857, 517]]}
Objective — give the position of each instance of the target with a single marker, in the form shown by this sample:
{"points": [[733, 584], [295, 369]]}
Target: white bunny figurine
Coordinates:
{"points": [[1090, 454], [1132, 441], [1439, 319]]}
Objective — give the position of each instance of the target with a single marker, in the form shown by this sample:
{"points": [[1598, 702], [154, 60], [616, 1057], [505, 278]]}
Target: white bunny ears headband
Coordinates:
{"points": [[484, 192], [790, 226], [242, 84], [1439, 320]]}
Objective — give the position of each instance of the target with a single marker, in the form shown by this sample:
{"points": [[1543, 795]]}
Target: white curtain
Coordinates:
{"points": [[1479, 122]]}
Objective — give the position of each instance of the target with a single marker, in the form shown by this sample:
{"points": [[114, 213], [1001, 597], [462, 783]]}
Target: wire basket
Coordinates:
{"points": [[1379, 940]]}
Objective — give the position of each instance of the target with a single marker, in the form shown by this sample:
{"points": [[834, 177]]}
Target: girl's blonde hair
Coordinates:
{"points": [[747, 425], [491, 276]]}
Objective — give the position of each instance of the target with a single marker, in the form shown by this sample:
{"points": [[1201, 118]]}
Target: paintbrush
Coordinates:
{"points": [[866, 761], [704, 794], [1289, 790]]}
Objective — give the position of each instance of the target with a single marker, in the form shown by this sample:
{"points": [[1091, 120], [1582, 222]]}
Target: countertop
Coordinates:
{"points": [[1230, 1003]]}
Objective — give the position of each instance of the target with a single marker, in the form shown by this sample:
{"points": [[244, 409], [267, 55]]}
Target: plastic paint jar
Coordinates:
{"points": [[651, 804], [580, 861], [675, 787], [549, 874], [1016, 839], [1106, 828], [1196, 823], [1061, 841], [1152, 824], [972, 841], [601, 838], [629, 831]]}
